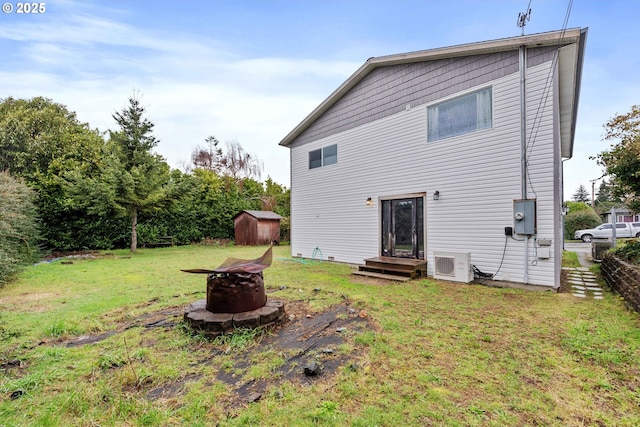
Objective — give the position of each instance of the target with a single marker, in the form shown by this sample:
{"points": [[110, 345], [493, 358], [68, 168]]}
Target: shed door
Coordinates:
{"points": [[403, 228]]}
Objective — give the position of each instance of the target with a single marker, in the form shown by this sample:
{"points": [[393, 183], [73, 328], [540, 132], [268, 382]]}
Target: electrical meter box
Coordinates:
{"points": [[524, 216]]}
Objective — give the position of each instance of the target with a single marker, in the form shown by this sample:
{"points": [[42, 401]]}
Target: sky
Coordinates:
{"points": [[250, 70]]}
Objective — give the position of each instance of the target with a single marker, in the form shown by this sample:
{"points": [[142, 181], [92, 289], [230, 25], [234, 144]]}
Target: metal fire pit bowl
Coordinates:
{"points": [[235, 292]]}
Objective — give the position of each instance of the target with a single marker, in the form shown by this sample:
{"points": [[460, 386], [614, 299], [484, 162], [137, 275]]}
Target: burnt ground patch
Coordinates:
{"points": [[312, 340], [304, 339], [165, 318]]}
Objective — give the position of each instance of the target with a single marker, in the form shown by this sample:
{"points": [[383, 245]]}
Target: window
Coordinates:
{"points": [[461, 115], [323, 156], [330, 155], [315, 159]]}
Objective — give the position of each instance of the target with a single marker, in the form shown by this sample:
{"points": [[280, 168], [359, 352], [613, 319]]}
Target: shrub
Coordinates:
{"points": [[577, 206], [629, 252], [18, 231], [580, 220]]}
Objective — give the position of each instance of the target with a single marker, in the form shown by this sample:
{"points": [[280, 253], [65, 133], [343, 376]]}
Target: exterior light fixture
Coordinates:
{"points": [[565, 209], [436, 195], [369, 201]]}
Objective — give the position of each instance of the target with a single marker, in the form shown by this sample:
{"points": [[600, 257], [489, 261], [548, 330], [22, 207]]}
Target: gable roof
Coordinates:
{"points": [[571, 43], [260, 214]]}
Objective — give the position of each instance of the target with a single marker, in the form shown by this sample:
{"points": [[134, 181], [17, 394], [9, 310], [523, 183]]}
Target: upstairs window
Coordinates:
{"points": [[323, 156], [330, 155], [315, 159], [461, 115]]}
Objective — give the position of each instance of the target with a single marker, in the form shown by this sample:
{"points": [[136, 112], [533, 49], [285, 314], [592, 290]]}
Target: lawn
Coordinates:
{"points": [[100, 341]]}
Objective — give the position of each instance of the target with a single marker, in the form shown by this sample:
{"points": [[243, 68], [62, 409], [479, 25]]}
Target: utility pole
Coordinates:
{"points": [[593, 193]]}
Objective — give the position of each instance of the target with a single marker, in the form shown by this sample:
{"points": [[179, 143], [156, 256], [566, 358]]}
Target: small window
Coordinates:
{"points": [[330, 155], [323, 156], [623, 225], [315, 159], [461, 115]]}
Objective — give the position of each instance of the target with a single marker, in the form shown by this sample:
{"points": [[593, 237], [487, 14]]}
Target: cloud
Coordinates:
{"points": [[192, 87]]}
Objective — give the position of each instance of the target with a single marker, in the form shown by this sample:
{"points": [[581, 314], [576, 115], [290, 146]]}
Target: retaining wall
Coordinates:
{"points": [[622, 277]]}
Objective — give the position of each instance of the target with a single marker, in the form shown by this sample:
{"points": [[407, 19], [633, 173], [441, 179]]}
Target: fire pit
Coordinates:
{"points": [[235, 298]]}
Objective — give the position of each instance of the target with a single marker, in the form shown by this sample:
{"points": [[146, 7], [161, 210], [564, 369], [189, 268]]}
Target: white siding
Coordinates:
{"points": [[477, 175]]}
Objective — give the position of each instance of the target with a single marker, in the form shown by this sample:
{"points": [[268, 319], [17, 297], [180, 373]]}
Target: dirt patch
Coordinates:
{"points": [[565, 286], [56, 255], [26, 298]]}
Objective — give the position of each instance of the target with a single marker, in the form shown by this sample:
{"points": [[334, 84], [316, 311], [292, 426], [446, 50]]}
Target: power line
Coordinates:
{"points": [[545, 95]]}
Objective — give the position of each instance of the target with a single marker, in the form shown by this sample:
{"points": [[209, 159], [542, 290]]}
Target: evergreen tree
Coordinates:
{"points": [[132, 179], [605, 198], [581, 195]]}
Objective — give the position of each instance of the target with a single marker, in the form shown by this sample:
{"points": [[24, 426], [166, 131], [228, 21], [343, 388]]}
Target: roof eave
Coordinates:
{"points": [[567, 143]]}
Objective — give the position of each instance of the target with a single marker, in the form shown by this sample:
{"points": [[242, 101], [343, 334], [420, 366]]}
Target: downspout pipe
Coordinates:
{"points": [[523, 147]]}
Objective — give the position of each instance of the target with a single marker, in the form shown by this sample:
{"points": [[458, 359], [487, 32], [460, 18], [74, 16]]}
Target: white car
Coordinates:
{"points": [[604, 231]]}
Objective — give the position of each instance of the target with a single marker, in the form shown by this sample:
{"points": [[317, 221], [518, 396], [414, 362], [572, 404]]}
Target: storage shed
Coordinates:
{"points": [[257, 227]]}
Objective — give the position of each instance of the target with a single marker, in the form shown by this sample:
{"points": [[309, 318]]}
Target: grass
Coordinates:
{"points": [[570, 259], [437, 353]]}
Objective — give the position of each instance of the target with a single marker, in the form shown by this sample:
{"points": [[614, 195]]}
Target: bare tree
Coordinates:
{"points": [[207, 157], [233, 161], [239, 164]]}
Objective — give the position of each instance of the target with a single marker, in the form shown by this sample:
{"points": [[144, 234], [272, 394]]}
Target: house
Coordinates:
{"points": [[450, 156], [256, 227], [622, 215]]}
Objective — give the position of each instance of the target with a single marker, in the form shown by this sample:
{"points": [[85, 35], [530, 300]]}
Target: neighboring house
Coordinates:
{"points": [[420, 155], [257, 228], [622, 215]]}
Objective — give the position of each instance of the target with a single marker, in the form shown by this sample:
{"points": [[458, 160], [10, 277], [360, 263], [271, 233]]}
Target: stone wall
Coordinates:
{"points": [[622, 277]]}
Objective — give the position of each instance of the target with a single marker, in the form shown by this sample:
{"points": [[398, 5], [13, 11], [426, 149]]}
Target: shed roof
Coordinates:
{"points": [[260, 214], [569, 71]]}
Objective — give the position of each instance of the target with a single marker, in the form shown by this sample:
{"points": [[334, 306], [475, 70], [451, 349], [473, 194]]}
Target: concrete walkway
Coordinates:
{"points": [[583, 282]]}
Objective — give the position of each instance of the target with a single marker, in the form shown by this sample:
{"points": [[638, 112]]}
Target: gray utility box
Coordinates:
{"points": [[598, 247], [524, 216]]}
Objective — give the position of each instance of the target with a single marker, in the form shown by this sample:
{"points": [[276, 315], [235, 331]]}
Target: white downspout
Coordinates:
{"points": [[523, 148]]}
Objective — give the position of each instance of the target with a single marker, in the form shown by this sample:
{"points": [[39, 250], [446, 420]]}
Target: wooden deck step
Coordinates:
{"points": [[389, 266], [382, 276], [388, 270]]}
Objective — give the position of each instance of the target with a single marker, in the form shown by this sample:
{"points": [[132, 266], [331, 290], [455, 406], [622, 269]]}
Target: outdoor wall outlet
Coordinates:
{"points": [[544, 242]]}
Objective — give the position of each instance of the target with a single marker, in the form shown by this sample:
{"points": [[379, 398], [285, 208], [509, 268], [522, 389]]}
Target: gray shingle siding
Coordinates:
{"points": [[388, 90]]}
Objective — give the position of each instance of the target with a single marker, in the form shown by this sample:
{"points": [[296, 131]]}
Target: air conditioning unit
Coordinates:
{"points": [[453, 266]]}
